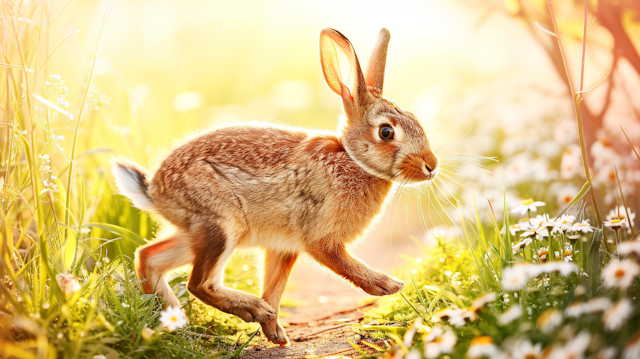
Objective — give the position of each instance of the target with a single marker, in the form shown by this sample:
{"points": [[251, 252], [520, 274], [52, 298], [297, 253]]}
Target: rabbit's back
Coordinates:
{"points": [[274, 181]]}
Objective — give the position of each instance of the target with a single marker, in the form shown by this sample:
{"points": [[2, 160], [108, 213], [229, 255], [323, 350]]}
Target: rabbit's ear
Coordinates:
{"points": [[341, 70], [375, 68]]}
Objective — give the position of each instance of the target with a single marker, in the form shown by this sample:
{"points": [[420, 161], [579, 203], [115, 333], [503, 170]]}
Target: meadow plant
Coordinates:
{"points": [[67, 285]]}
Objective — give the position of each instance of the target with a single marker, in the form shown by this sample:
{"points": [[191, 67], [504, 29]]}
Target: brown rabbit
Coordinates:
{"points": [[284, 189]]}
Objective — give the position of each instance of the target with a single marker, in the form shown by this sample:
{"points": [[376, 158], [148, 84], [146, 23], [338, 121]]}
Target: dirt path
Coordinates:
{"points": [[321, 326]]}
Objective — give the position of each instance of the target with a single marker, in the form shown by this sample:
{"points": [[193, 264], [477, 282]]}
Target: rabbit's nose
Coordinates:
{"points": [[431, 165]]}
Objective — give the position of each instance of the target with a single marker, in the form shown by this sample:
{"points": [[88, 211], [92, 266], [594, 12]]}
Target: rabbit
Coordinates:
{"points": [[284, 189]]}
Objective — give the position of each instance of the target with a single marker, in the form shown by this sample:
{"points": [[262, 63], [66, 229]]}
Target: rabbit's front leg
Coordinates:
{"points": [[277, 268], [338, 259], [212, 248]]}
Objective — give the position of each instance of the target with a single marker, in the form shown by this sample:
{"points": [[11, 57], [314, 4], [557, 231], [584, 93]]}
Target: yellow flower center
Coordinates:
{"points": [[619, 273], [527, 201], [615, 220], [567, 253], [530, 356], [174, 319]]}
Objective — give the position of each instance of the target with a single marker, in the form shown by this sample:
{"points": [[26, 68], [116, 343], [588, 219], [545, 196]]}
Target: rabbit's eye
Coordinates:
{"points": [[385, 132]]}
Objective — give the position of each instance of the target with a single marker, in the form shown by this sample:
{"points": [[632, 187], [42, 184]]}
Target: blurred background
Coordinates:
{"points": [[482, 77]]}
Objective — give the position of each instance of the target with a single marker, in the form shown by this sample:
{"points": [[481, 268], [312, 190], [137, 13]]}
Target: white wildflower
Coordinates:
{"points": [[630, 247], [439, 342], [523, 349], [583, 227], [621, 213], [632, 348], [528, 205], [172, 318], [514, 278], [482, 346], [620, 273], [615, 223], [617, 315], [514, 312], [574, 348], [549, 320]]}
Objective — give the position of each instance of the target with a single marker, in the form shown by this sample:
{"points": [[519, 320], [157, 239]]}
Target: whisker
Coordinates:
{"points": [[453, 173]]}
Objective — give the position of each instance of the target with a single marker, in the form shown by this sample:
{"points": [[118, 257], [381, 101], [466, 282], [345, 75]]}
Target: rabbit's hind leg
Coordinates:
{"points": [[212, 247], [277, 268], [155, 259]]}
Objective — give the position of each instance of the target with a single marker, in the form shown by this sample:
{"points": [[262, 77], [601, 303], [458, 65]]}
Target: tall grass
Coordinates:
{"points": [[67, 287]]}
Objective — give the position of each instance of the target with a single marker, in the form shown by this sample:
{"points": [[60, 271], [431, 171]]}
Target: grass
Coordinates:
{"points": [[60, 219]]}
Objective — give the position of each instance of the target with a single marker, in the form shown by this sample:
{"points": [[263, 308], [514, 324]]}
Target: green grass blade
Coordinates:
{"points": [[120, 231], [585, 188], [124, 84]]}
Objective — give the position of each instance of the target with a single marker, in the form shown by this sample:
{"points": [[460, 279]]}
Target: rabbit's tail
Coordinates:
{"points": [[131, 181]]}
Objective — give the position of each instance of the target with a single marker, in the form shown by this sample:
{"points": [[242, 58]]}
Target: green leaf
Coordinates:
{"points": [[123, 232], [585, 188]]}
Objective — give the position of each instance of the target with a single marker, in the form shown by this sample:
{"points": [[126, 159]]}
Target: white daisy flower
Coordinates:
{"points": [[621, 213], [606, 353], [632, 348], [583, 227], [565, 268], [172, 318], [456, 316], [523, 349], [630, 247], [620, 273], [617, 315], [549, 320], [543, 252], [615, 223], [482, 300], [528, 205], [574, 348], [439, 342], [514, 312], [563, 224], [482, 346], [523, 243], [514, 278]]}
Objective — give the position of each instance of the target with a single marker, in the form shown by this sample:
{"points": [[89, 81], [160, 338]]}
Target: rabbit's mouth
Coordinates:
{"points": [[415, 169]]}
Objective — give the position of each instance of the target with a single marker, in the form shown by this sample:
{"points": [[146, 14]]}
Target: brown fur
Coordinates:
{"points": [[283, 189]]}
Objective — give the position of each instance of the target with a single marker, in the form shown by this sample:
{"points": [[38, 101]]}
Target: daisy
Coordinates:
{"points": [[408, 336], [563, 224], [632, 349], [525, 350], [514, 278], [565, 268], [482, 346], [617, 315], [543, 252], [514, 312], [528, 205], [606, 353], [615, 223], [574, 348], [456, 316], [439, 342], [583, 227], [620, 273], [630, 247], [523, 243], [621, 213], [172, 318], [549, 320], [482, 300], [68, 283]]}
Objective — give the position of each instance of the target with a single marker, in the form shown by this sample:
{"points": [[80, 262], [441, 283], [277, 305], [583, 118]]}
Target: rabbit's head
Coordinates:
{"points": [[385, 140]]}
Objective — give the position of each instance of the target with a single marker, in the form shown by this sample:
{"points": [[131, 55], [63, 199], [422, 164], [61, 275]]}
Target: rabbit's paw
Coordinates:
{"points": [[384, 284], [254, 310], [274, 332]]}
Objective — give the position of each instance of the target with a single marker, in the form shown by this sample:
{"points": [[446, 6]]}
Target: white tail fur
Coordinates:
{"points": [[132, 182]]}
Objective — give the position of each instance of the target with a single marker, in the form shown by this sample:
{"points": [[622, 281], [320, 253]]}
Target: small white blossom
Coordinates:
{"points": [[617, 315], [620, 273], [528, 205], [172, 318], [583, 227], [514, 312]]}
